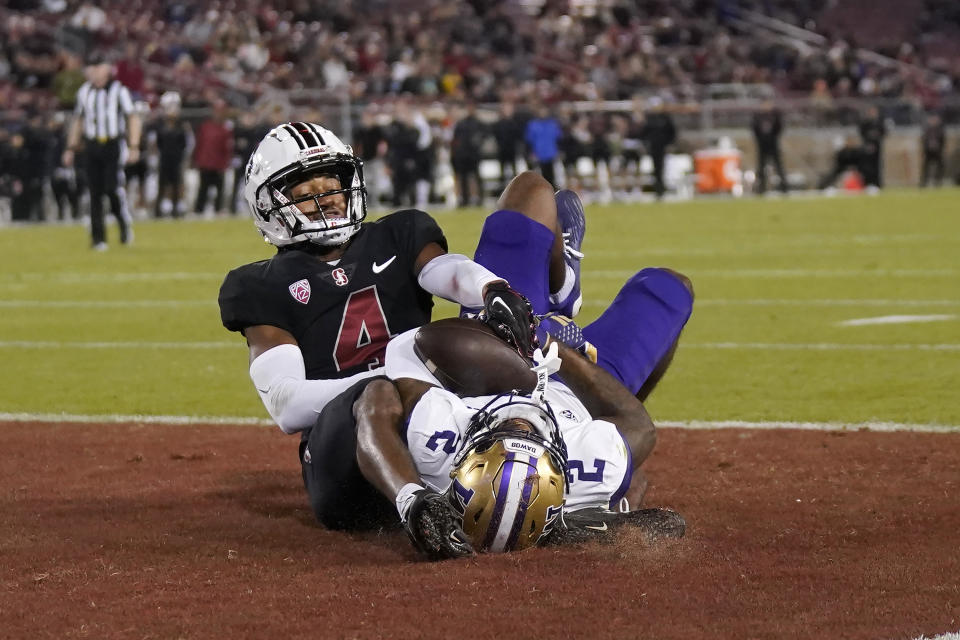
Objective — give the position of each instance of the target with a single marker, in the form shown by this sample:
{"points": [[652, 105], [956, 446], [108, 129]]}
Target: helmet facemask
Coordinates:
{"points": [[274, 200]]}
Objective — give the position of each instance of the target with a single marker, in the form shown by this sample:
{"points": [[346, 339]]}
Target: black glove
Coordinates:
{"points": [[434, 528], [510, 315]]}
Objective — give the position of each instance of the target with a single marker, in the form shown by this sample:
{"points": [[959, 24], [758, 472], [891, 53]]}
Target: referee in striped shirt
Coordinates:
{"points": [[105, 118]]}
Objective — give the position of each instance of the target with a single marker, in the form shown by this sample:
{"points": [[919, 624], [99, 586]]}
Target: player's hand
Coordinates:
{"points": [[435, 529], [510, 315], [133, 154], [67, 158], [548, 362]]}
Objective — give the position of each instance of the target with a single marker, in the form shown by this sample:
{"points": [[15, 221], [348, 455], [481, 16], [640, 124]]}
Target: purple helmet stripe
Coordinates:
{"points": [[524, 503], [502, 491]]}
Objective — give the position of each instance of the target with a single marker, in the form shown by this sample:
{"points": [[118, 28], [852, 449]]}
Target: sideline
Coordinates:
{"points": [[667, 424]]}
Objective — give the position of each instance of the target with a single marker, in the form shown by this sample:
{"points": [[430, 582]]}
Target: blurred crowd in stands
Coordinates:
{"points": [[480, 50], [413, 68]]}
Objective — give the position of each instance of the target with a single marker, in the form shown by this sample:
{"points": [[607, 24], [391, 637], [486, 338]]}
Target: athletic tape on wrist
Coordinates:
{"points": [[405, 499]]}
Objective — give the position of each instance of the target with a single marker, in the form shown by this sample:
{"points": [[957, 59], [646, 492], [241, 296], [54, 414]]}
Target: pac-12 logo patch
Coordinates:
{"points": [[339, 277], [300, 290]]}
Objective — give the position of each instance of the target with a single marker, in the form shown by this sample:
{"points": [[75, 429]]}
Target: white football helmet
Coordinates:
{"points": [[290, 154]]}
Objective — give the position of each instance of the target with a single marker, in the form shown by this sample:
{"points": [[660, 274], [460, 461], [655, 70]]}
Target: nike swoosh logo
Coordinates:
{"points": [[500, 300], [377, 268], [602, 527]]}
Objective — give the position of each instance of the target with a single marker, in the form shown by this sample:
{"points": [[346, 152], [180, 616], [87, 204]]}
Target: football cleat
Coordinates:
{"points": [[598, 524], [565, 330], [573, 225]]}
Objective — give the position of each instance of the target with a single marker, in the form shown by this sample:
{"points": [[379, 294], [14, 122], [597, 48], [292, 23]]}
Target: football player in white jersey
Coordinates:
{"points": [[514, 462]]}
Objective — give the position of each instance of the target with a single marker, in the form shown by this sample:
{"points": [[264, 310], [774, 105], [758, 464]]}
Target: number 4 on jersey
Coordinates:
{"points": [[363, 334]]}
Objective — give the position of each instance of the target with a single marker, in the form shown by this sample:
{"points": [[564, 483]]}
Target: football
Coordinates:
{"points": [[469, 359]]}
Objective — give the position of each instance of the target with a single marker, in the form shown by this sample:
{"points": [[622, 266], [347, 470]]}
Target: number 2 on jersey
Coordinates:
{"points": [[363, 331]]}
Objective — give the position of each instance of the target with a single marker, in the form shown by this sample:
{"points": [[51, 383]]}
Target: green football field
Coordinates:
{"points": [[808, 309]]}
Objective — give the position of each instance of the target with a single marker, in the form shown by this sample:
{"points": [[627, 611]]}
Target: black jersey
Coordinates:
{"points": [[341, 314]]}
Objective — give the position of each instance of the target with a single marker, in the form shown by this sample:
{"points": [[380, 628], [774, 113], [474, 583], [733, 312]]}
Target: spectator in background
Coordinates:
{"points": [[658, 133], [465, 154], [426, 157], [508, 135], [848, 156], [63, 180], [137, 169], [543, 134], [402, 141], [19, 174], [872, 132], [932, 148], [212, 155], [767, 127], [106, 121], [371, 145], [173, 140], [130, 70], [576, 143], [248, 133]]}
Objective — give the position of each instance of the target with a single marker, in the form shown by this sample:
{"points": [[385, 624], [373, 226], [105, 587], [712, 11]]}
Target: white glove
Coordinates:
{"points": [[546, 365]]}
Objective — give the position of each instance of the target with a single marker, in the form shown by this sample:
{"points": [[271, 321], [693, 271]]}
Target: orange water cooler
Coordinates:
{"points": [[718, 171]]}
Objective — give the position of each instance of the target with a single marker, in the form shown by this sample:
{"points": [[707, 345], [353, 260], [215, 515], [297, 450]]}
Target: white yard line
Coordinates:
{"points": [[670, 424], [754, 346], [70, 277], [863, 322], [819, 346], [53, 344], [795, 302], [788, 273], [102, 304]]}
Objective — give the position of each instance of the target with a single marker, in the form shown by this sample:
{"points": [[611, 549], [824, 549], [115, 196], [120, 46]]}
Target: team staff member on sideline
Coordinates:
{"points": [[105, 117]]}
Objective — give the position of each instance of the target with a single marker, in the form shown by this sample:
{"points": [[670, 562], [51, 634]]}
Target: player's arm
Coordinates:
{"points": [[279, 375], [452, 276], [386, 463], [606, 399], [456, 277]]}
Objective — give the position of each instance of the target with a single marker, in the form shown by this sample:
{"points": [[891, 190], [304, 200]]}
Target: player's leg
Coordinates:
{"points": [[339, 494], [521, 241], [636, 336]]}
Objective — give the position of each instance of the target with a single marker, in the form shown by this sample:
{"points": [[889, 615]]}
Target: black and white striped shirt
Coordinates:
{"points": [[104, 111]]}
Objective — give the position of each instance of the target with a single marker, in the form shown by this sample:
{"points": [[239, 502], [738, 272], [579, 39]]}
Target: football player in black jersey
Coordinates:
{"points": [[317, 315]]}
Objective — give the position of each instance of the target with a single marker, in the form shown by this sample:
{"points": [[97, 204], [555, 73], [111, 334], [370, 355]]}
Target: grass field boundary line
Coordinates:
{"points": [[787, 273], [669, 424], [781, 302], [820, 346], [886, 427], [226, 344], [116, 276], [53, 344], [102, 304], [839, 302]]}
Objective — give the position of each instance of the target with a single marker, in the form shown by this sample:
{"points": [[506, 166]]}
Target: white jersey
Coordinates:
{"points": [[598, 459]]}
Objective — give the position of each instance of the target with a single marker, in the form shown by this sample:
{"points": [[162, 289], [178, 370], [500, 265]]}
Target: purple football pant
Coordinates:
{"points": [[517, 249], [641, 324], [636, 330]]}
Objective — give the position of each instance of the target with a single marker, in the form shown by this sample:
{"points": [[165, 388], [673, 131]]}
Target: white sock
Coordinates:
{"points": [[569, 279]]}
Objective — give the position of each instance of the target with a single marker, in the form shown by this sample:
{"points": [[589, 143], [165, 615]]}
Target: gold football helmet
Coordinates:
{"points": [[509, 479]]}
